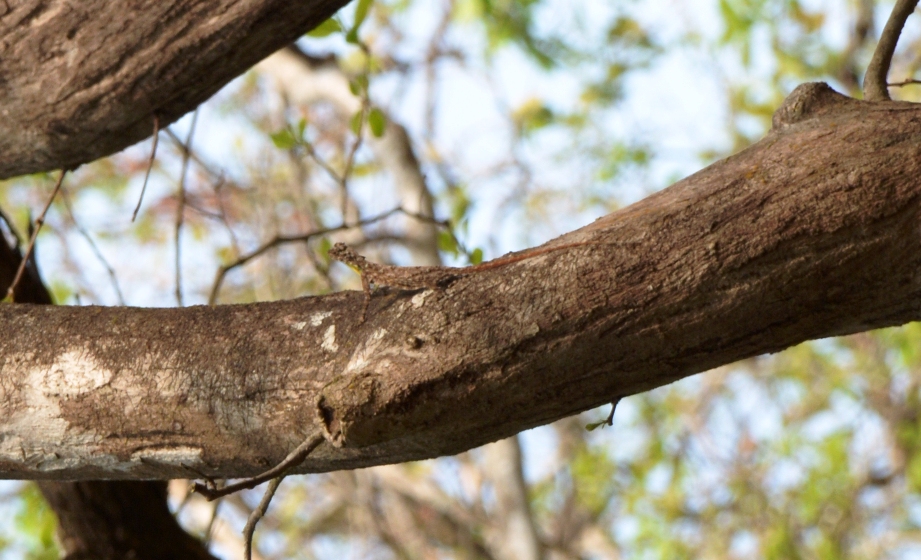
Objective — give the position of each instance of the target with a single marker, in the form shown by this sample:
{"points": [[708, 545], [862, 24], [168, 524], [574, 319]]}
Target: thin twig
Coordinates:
{"points": [[342, 181], [285, 239], [153, 154], [359, 135], [96, 251], [193, 156], [279, 240], [180, 206], [209, 530], [38, 227], [905, 83], [610, 419], [293, 459], [256, 515], [323, 164], [222, 215], [874, 83], [350, 160]]}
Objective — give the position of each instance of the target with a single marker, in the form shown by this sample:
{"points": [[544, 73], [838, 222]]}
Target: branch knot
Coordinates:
{"points": [[807, 101]]}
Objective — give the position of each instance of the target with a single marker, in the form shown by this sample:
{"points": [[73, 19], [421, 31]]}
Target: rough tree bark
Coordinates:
{"points": [[83, 79], [103, 520], [811, 232]]}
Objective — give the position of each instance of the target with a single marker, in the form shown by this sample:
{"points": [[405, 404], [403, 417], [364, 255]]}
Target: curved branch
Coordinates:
{"points": [[875, 87]]}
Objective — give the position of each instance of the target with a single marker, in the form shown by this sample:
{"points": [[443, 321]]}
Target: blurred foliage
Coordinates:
{"points": [[811, 453], [35, 525]]}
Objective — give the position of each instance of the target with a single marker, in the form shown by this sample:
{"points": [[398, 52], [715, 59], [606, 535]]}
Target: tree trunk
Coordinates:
{"points": [[101, 520]]}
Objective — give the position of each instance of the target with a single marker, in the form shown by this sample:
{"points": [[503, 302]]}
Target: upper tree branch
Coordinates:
{"points": [[875, 86], [81, 80]]}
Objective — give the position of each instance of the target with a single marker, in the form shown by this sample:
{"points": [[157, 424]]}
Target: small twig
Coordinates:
{"points": [[180, 206], [285, 239], [359, 134], [193, 156], [350, 160], [610, 419], [323, 164], [905, 83], [256, 515], [38, 227], [209, 530], [208, 480], [153, 154], [874, 83], [279, 240], [295, 458], [342, 181]]}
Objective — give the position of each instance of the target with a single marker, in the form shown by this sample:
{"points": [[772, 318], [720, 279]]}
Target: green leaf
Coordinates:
{"points": [[301, 127], [447, 243], [595, 425], [361, 12], [352, 36], [283, 139], [476, 257], [460, 206], [36, 522], [359, 85], [356, 122], [325, 29], [324, 247], [532, 115], [377, 121]]}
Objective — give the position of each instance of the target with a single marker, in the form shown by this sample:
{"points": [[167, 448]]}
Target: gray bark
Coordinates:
{"points": [[811, 232]]}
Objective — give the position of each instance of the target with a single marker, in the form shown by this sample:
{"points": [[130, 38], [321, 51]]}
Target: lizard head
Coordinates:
{"points": [[343, 253]]}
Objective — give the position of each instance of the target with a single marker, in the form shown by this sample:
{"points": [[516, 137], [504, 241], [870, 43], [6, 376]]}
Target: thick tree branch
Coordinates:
{"points": [[814, 231], [78, 81], [103, 520]]}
